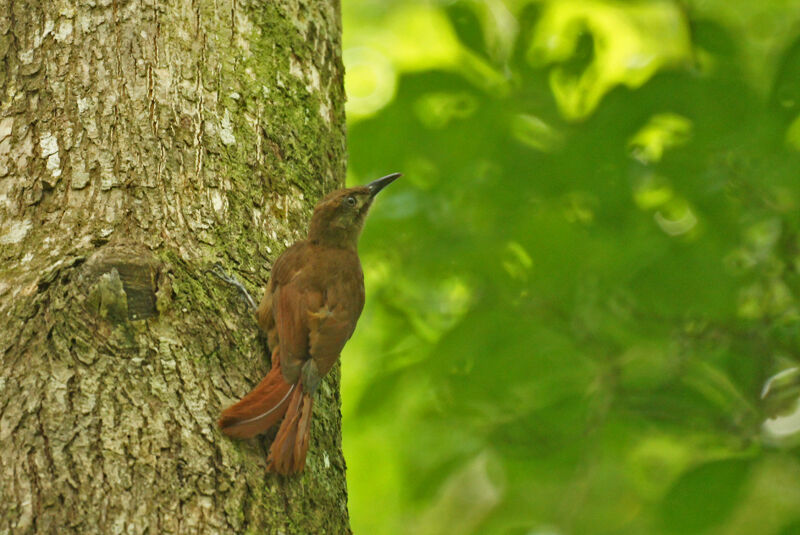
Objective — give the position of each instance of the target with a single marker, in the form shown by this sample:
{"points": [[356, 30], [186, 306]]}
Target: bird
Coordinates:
{"points": [[313, 300]]}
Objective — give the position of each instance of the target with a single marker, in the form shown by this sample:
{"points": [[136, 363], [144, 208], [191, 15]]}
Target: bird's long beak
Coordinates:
{"points": [[376, 185]]}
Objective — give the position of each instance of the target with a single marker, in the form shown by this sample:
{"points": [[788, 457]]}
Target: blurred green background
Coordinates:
{"points": [[583, 308]]}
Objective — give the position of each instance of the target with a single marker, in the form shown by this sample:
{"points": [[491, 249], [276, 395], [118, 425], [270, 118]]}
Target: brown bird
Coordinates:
{"points": [[313, 300]]}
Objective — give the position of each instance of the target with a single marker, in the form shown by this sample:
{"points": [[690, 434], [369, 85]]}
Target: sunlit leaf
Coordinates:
{"points": [[371, 81], [535, 133], [631, 41], [662, 132]]}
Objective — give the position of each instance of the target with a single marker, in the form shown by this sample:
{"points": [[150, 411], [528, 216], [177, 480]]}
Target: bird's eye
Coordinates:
{"points": [[351, 201]]}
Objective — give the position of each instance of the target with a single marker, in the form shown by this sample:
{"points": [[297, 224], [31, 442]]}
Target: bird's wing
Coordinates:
{"points": [[291, 304], [286, 267]]}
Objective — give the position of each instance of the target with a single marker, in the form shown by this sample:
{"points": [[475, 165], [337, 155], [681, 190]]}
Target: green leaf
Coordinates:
{"points": [[704, 496]]}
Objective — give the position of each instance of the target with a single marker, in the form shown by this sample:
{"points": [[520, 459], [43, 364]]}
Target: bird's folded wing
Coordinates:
{"points": [[291, 306]]}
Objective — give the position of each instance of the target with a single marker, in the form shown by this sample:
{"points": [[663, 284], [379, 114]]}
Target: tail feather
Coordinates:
{"points": [[288, 451], [260, 409]]}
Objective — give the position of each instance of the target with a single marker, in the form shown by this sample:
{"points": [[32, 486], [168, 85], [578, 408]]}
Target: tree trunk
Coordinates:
{"points": [[140, 143]]}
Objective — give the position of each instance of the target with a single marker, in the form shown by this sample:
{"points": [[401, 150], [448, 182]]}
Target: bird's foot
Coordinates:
{"points": [[233, 281]]}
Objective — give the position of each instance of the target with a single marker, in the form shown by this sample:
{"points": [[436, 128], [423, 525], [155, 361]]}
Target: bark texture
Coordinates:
{"points": [[140, 142]]}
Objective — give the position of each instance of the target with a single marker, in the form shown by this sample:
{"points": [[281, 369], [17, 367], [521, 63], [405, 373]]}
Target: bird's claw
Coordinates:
{"points": [[220, 272]]}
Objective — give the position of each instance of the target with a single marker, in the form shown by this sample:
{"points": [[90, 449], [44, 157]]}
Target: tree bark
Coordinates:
{"points": [[140, 143]]}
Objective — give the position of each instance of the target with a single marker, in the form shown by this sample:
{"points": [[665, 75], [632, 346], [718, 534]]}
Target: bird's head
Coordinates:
{"points": [[339, 217]]}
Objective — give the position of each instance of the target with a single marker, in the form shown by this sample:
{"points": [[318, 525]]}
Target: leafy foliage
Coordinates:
{"points": [[583, 311]]}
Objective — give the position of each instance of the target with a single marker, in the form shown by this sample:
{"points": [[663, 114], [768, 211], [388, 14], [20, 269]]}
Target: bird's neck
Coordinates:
{"points": [[333, 236]]}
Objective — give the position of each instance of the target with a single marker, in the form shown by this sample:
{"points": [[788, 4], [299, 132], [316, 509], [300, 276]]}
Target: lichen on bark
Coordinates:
{"points": [[141, 142]]}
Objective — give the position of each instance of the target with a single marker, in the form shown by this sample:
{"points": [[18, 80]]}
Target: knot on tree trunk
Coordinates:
{"points": [[122, 283]]}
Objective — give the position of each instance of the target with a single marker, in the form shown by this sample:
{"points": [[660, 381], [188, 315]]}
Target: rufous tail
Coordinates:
{"points": [[261, 408], [288, 451]]}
